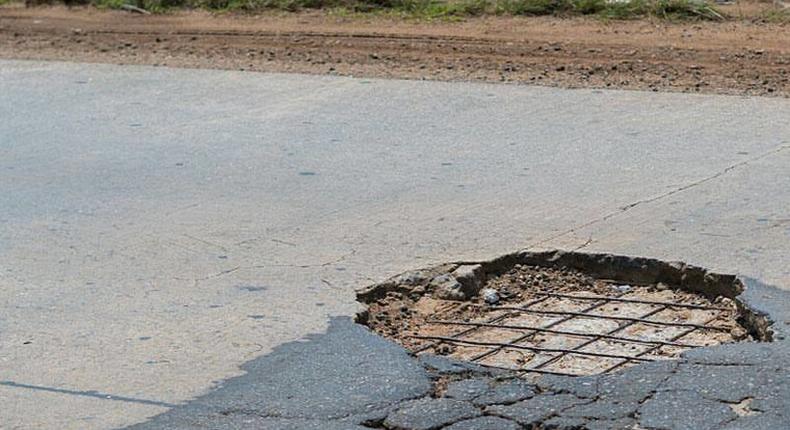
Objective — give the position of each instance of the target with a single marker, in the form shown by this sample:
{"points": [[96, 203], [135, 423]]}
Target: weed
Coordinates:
{"points": [[685, 9], [625, 9], [776, 16], [432, 9]]}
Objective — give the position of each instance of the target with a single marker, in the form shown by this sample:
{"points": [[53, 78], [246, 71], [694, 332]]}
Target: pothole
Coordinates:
{"points": [[560, 313]]}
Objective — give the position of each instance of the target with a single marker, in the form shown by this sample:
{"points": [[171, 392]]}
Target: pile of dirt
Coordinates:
{"points": [[746, 57], [401, 316]]}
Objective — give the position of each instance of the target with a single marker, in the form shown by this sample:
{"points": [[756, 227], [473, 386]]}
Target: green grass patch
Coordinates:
{"points": [[433, 9], [685, 9], [776, 16], [626, 9]]}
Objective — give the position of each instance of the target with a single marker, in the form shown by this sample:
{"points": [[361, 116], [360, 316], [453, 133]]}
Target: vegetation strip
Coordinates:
{"points": [[432, 9]]}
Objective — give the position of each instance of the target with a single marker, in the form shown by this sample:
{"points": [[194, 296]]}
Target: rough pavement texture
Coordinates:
{"points": [[484, 423], [428, 413], [343, 373], [159, 228], [735, 386]]}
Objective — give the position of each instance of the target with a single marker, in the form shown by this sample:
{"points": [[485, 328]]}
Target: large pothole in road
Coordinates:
{"points": [[560, 313]]}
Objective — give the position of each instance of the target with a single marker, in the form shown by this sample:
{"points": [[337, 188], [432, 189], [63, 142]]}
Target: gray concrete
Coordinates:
{"points": [[159, 228]]}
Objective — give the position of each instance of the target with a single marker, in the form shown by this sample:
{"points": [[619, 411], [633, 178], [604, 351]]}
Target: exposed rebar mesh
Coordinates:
{"points": [[581, 334]]}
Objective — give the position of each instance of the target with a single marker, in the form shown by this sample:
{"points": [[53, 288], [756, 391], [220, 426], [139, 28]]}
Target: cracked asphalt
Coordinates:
{"points": [[163, 231], [349, 378]]}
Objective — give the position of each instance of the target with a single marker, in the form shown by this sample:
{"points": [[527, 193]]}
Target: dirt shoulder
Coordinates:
{"points": [[738, 57]]}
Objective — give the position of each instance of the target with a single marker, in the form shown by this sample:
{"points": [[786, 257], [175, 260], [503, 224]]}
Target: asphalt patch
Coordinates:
{"points": [[351, 378]]}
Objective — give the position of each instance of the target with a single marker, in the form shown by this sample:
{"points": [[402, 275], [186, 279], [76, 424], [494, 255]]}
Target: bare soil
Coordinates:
{"points": [[742, 56], [423, 323]]}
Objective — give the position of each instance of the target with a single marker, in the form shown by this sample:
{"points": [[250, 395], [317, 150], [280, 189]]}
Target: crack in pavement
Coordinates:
{"points": [[263, 266], [623, 209], [88, 393], [658, 387]]}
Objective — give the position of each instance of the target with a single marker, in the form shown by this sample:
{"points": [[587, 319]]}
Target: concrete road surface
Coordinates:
{"points": [[160, 227]]}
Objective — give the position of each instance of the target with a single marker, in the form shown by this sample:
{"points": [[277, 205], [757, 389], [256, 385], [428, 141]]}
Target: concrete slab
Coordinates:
{"points": [[160, 227]]}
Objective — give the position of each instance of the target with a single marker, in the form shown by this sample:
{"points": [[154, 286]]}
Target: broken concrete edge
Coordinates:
{"points": [[336, 380], [403, 283], [764, 305], [754, 307], [348, 377]]}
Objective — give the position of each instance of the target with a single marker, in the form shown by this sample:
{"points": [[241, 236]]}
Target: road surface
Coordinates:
{"points": [[161, 227]]}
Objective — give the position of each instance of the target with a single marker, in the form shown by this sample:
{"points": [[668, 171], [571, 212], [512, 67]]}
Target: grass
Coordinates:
{"points": [[623, 9], [609, 9], [776, 16], [438, 9]]}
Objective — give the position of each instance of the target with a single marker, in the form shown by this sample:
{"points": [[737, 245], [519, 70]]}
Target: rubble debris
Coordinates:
{"points": [[544, 318]]}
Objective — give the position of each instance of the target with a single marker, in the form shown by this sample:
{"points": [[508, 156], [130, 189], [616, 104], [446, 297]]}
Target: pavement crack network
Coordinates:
{"points": [[623, 209], [657, 388]]}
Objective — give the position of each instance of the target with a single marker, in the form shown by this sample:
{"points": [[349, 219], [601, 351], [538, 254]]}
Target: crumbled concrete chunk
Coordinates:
{"points": [[446, 287], [471, 278]]}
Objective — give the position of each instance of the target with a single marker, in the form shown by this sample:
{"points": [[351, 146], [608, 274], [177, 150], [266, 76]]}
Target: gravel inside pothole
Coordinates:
{"points": [[548, 319]]}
